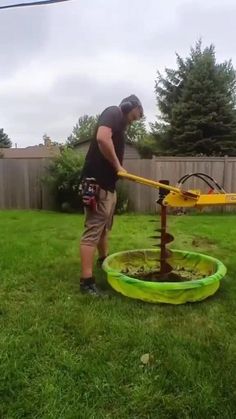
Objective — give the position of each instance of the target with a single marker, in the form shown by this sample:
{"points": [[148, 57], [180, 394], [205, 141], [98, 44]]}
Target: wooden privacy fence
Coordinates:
{"points": [[21, 186]]}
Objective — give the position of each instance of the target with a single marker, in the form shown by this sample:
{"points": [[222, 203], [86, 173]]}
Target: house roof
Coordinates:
{"points": [[132, 144], [32, 152], [83, 142]]}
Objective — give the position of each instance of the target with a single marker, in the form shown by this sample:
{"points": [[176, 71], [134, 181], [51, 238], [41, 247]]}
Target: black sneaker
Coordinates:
{"points": [[88, 286], [100, 261]]}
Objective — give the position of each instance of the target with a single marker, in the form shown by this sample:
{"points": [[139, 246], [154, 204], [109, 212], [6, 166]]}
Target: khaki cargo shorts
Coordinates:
{"points": [[99, 220]]}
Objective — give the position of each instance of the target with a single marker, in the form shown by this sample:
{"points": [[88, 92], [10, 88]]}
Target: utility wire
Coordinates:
{"points": [[35, 3]]}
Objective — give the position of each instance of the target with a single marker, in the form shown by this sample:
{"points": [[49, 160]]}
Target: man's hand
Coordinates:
{"points": [[121, 169]]}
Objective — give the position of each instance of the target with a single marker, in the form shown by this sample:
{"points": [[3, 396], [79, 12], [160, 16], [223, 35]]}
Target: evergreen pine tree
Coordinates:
{"points": [[197, 105], [5, 141]]}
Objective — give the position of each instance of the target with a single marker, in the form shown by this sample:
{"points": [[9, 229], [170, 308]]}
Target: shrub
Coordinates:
{"points": [[122, 198], [63, 178]]}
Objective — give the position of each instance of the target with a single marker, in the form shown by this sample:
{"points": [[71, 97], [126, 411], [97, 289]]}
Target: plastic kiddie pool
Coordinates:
{"points": [[208, 271]]}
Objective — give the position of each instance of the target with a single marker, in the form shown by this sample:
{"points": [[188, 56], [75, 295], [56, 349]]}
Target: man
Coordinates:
{"points": [[103, 160]]}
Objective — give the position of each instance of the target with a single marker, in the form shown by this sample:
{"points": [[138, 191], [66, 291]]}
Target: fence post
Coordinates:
{"points": [[225, 174]]}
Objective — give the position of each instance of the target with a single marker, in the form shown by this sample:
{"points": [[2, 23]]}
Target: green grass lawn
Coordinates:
{"points": [[64, 355]]}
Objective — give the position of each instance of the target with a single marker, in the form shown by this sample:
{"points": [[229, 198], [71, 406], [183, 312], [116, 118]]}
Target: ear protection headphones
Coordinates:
{"points": [[129, 104]]}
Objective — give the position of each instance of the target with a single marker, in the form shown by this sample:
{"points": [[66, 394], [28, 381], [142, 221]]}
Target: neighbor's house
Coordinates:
{"points": [[48, 151], [32, 152], [131, 151]]}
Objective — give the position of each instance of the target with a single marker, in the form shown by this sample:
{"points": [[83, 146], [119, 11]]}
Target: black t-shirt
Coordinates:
{"points": [[96, 165]]}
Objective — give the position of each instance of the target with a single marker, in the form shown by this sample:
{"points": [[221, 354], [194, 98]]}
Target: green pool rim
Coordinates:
{"points": [[163, 286]]}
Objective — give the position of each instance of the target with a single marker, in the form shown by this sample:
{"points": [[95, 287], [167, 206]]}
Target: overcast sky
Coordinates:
{"points": [[64, 60]]}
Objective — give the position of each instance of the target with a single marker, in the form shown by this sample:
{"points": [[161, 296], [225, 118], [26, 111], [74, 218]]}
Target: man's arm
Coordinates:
{"points": [[105, 144]]}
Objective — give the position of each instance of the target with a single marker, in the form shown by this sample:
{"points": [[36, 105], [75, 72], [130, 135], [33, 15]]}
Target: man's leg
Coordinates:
{"points": [[87, 280], [103, 242], [95, 236], [88, 244], [87, 256], [103, 245], [95, 225]]}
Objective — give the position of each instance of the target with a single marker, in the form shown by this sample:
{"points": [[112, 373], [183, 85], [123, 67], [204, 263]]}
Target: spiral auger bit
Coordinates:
{"points": [[164, 237]]}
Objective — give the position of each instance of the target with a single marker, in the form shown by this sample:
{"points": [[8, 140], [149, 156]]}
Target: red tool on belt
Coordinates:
{"points": [[89, 190]]}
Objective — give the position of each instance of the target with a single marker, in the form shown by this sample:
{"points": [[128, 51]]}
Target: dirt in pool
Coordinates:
{"points": [[177, 275]]}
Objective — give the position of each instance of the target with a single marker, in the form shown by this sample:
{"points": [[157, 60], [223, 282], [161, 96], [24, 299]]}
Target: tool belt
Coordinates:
{"points": [[89, 191]]}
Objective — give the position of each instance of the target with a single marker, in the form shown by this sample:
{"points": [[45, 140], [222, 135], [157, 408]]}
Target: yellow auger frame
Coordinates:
{"points": [[180, 198]]}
